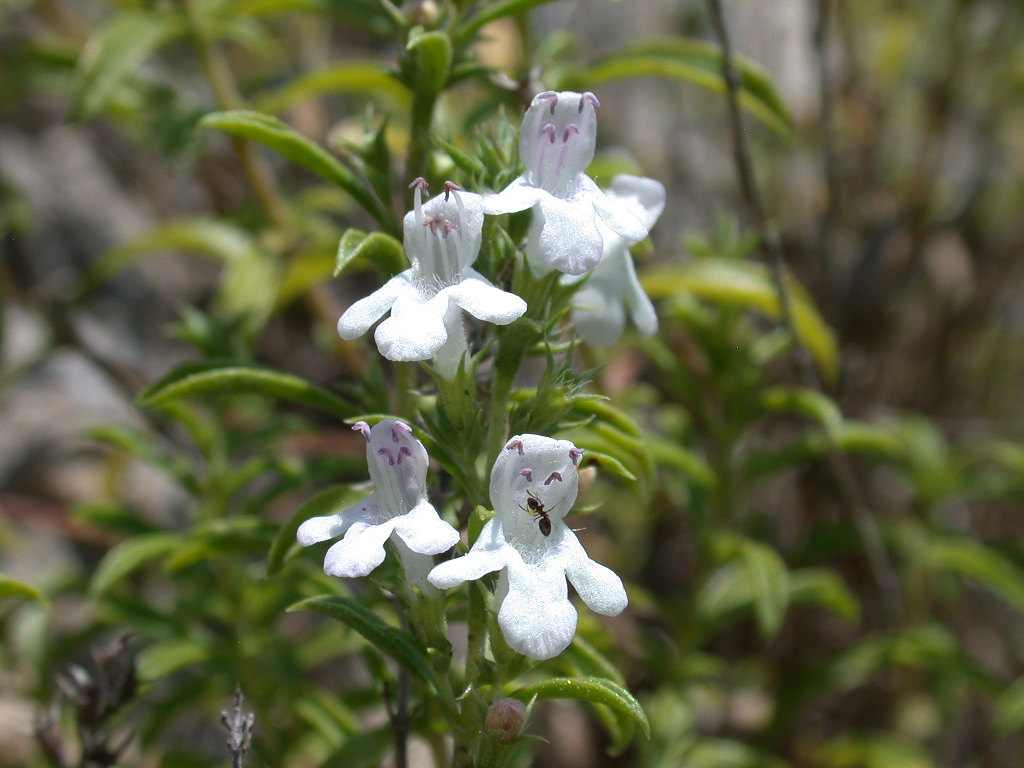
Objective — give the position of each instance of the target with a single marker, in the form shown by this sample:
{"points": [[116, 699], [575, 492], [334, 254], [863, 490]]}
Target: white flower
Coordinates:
{"points": [[599, 307], [533, 485], [426, 301], [556, 145], [398, 509]]}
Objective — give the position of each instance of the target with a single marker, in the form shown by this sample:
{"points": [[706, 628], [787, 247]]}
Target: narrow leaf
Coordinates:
{"points": [[382, 250], [366, 78], [693, 61], [215, 239], [113, 53], [492, 11], [747, 284], [597, 690], [193, 379], [399, 645], [12, 588], [129, 555], [769, 581], [285, 140]]}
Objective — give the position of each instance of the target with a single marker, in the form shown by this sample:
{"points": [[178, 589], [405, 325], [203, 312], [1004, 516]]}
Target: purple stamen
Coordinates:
{"points": [[386, 452], [528, 474], [449, 187], [576, 454], [549, 129], [588, 97], [515, 444], [553, 476], [550, 96], [403, 451], [419, 183], [362, 426], [570, 128], [449, 227], [403, 425]]}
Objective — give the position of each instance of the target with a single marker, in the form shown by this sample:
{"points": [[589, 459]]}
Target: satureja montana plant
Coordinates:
{"points": [[576, 229]]}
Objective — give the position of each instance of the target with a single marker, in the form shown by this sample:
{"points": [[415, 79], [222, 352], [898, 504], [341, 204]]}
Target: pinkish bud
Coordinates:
{"points": [[507, 716]]}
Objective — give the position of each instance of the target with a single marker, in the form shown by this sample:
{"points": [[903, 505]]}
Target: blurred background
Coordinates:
{"points": [[823, 573]]}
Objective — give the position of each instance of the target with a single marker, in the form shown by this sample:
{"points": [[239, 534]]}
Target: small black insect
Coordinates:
{"points": [[536, 508]]}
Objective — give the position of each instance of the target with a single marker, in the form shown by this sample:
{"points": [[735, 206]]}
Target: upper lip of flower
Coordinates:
{"points": [[556, 144], [534, 612], [442, 239], [397, 463]]}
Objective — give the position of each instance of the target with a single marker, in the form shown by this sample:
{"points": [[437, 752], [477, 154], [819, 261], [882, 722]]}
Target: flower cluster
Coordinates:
{"points": [[534, 484], [576, 229]]}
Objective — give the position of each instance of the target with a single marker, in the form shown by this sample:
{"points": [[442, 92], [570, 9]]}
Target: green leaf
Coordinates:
{"points": [[597, 690], [983, 564], [399, 645], [692, 61], [826, 588], [686, 460], [207, 237], [324, 503], [114, 52], [129, 555], [12, 588], [748, 284], [164, 658], [874, 751], [285, 140], [366, 78], [1008, 710], [492, 11], [205, 378], [377, 248], [768, 577], [726, 753], [432, 53], [145, 447], [248, 289], [807, 402], [753, 576]]}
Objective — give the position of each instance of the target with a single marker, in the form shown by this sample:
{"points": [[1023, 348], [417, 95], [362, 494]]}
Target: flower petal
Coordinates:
{"points": [[517, 196], [358, 318], [599, 587], [487, 555], [621, 216], [415, 330], [398, 467], [569, 239], [478, 296], [423, 531], [599, 317], [643, 197], [641, 311], [539, 466], [318, 529], [535, 615], [442, 237], [557, 140], [359, 552]]}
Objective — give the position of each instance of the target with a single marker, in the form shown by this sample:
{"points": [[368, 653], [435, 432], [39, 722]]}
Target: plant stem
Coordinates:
{"points": [[850, 491]]}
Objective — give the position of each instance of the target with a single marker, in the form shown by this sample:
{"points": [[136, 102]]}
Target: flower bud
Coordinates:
{"points": [[424, 13], [507, 716]]}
